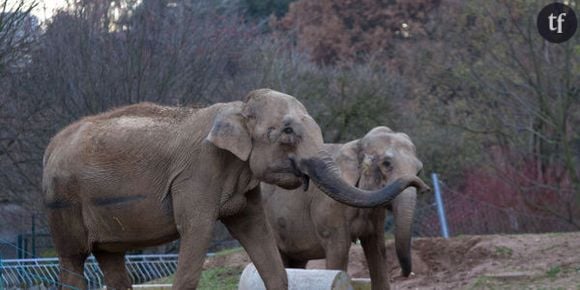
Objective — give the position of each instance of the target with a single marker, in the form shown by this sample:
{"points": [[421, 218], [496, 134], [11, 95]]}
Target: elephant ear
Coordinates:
{"points": [[348, 160], [229, 132]]}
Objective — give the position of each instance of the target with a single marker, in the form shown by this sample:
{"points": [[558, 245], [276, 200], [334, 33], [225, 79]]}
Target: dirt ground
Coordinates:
{"points": [[529, 261]]}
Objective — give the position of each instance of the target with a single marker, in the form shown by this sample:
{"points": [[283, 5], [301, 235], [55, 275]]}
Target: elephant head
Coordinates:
{"points": [[283, 144], [377, 159]]}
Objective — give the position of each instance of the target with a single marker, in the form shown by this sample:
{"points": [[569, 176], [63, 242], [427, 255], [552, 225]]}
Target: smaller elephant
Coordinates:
{"points": [[309, 225]]}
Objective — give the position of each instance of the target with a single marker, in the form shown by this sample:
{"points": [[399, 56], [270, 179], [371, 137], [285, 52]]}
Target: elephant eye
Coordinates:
{"points": [[288, 130], [387, 163]]}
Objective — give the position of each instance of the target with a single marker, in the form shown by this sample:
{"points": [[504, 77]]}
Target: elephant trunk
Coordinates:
{"points": [[404, 211], [323, 172]]}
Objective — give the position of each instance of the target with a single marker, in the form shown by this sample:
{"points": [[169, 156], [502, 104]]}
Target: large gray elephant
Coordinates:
{"points": [[145, 174], [309, 225]]}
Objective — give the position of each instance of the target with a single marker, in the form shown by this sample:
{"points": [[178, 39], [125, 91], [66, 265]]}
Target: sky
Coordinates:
{"points": [[44, 8]]}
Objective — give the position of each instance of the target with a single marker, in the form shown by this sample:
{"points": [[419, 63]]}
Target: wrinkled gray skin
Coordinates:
{"points": [[143, 175], [309, 225]]}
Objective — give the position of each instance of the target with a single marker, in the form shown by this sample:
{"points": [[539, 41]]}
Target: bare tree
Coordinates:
{"points": [[17, 31], [491, 75]]}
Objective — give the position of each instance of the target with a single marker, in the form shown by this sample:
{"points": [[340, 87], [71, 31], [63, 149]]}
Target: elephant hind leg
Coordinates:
{"points": [[71, 242], [113, 267], [71, 272]]}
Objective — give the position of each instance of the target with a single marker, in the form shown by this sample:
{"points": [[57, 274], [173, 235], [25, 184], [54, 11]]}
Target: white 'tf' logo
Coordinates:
{"points": [[558, 19]]}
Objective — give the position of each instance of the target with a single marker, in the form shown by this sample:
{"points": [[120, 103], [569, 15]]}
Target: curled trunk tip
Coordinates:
{"points": [[323, 171]]}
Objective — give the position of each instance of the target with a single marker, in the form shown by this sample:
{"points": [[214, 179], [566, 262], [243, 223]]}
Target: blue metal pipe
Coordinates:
{"points": [[440, 207], [1, 274]]}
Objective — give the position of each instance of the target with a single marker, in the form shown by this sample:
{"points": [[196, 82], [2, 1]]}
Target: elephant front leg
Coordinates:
{"points": [[376, 255], [336, 248], [195, 237], [195, 219], [254, 233], [333, 233]]}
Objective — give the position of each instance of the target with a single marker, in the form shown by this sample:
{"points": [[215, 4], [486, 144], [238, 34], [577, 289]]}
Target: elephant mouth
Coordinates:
{"points": [[305, 178], [287, 175]]}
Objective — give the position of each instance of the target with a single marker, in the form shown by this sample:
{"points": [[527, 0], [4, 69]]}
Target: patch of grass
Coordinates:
{"points": [[553, 272], [504, 251], [226, 278], [48, 253]]}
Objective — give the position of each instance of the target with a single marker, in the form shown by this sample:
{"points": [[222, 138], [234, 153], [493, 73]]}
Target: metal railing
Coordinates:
{"points": [[25, 273]]}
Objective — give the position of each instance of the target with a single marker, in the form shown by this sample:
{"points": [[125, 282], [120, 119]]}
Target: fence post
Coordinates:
{"points": [[33, 230], [440, 207], [19, 247]]}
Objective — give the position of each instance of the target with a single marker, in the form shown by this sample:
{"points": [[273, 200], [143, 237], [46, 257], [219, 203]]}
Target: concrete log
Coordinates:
{"points": [[299, 279]]}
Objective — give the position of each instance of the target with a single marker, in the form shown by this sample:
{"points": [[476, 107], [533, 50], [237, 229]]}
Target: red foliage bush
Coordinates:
{"points": [[520, 194]]}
